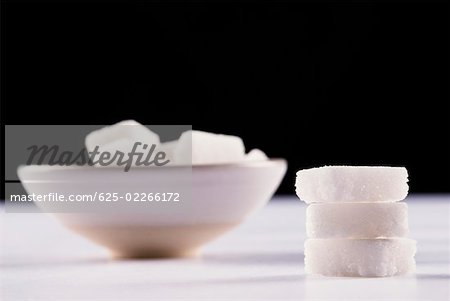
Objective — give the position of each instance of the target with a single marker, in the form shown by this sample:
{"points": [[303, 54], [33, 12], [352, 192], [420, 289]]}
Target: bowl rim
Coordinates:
{"points": [[244, 164]]}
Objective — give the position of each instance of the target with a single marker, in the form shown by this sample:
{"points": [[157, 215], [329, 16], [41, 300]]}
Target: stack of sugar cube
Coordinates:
{"points": [[355, 224]]}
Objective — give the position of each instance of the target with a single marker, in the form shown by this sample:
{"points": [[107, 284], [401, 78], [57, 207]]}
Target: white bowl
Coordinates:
{"points": [[213, 199]]}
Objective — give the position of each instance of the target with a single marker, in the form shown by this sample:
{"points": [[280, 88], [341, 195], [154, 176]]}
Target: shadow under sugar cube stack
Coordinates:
{"points": [[355, 223]]}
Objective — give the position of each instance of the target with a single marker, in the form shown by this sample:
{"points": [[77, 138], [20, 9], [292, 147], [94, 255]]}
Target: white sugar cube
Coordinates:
{"points": [[121, 137], [360, 257], [331, 184], [128, 129], [357, 220], [255, 155], [168, 148], [196, 148]]}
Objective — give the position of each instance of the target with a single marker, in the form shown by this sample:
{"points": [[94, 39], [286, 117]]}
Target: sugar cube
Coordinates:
{"points": [[331, 184], [128, 129], [360, 257], [168, 148], [121, 137], [357, 220], [196, 148], [255, 155]]}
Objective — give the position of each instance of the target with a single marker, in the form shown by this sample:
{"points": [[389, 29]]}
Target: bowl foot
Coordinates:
{"points": [[156, 254], [153, 241]]}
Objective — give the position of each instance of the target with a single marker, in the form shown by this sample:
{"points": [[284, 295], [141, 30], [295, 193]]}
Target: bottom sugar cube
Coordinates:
{"points": [[360, 257]]}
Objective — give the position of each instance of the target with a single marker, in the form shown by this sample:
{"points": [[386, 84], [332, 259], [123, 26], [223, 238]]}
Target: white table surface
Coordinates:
{"points": [[260, 260]]}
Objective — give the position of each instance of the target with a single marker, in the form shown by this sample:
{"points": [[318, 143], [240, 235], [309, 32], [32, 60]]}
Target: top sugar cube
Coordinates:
{"points": [[333, 184]]}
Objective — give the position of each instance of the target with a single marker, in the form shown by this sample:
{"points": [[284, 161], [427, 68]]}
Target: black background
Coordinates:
{"points": [[316, 82]]}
